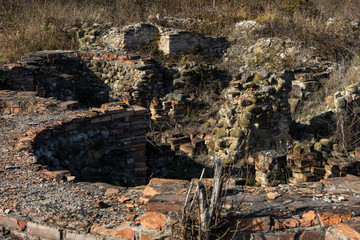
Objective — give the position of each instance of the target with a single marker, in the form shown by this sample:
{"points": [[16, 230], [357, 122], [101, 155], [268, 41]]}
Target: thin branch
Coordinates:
{"points": [[197, 189]]}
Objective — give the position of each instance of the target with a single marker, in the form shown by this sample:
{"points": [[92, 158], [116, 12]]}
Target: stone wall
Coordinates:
{"points": [[89, 77], [170, 41], [255, 116]]}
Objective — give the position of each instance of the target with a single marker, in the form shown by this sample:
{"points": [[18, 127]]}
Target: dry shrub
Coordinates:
{"points": [[333, 40], [29, 25], [342, 76], [347, 132], [343, 9]]}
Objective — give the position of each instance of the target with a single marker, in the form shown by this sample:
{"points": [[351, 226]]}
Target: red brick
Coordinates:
{"points": [[119, 131], [255, 224], [121, 57], [112, 191], [328, 218], [274, 236], [308, 219], [165, 186], [6, 110], [350, 231], [43, 231], [101, 119], [286, 223], [154, 221], [9, 222], [16, 110], [147, 236], [122, 231], [69, 105], [312, 235], [81, 236], [164, 207], [56, 175], [21, 224]]}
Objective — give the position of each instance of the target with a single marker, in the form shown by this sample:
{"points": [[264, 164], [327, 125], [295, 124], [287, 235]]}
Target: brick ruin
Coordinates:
{"points": [[74, 117], [106, 143]]}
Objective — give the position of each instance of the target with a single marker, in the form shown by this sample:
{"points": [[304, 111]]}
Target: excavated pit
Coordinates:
{"points": [[110, 146], [93, 144]]}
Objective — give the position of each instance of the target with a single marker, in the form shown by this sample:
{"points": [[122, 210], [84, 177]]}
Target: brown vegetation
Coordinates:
{"points": [[28, 25]]}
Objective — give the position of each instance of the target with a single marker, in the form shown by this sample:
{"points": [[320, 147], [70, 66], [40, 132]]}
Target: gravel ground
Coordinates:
{"points": [[29, 191]]}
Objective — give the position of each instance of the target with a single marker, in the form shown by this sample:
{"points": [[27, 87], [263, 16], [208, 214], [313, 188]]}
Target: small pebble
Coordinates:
{"points": [[341, 198]]}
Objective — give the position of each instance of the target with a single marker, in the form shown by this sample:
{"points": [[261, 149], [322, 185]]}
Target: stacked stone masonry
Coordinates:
{"points": [[24, 77], [89, 77], [256, 116]]}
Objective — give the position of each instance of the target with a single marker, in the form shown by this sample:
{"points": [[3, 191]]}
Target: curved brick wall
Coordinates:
{"points": [[105, 143]]}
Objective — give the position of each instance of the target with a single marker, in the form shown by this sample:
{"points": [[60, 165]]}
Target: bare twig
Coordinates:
{"points": [[184, 215], [204, 233], [207, 213], [197, 189], [217, 188]]}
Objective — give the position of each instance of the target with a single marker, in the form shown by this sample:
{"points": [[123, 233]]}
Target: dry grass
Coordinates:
{"points": [[29, 25], [344, 74]]}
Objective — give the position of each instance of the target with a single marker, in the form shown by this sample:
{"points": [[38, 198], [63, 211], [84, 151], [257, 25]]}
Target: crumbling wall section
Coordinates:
{"points": [[256, 116], [178, 42], [92, 78], [170, 41], [131, 36], [16, 76]]}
